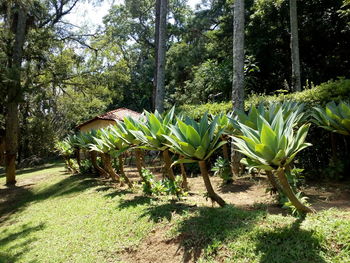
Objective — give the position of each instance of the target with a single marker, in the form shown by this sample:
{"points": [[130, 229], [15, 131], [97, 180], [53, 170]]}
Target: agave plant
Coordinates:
{"points": [[151, 135], [272, 147], [120, 146], [102, 145], [335, 118], [196, 142], [65, 148], [124, 132], [227, 124], [269, 113], [84, 140]]}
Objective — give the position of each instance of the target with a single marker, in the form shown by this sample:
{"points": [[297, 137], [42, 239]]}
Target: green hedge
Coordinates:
{"points": [[317, 95]]}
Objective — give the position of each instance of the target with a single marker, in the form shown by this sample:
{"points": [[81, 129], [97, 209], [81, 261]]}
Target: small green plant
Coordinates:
{"points": [[86, 166], [289, 205], [162, 187], [222, 169], [148, 181]]}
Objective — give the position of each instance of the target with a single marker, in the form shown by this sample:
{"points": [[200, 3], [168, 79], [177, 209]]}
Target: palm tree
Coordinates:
{"points": [[196, 142]]}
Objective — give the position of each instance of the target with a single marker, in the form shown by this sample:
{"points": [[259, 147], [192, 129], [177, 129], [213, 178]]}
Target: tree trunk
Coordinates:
{"points": [[238, 74], [184, 183], [156, 44], [107, 161], [294, 45], [167, 162], [225, 149], [98, 168], [2, 151], [122, 173], [227, 157], [274, 183], [14, 93], [77, 154], [287, 190], [139, 166], [211, 193], [160, 91]]}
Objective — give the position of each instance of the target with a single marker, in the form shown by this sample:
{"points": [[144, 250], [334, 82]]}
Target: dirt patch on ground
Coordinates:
{"points": [[156, 248]]}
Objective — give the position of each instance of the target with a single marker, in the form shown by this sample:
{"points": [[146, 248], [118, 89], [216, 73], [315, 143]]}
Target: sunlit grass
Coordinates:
{"points": [[66, 218]]}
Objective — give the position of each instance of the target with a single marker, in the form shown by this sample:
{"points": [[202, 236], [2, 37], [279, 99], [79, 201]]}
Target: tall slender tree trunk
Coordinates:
{"points": [[294, 45], [14, 94], [160, 90], [211, 193], [156, 44], [121, 170], [238, 74], [167, 161]]}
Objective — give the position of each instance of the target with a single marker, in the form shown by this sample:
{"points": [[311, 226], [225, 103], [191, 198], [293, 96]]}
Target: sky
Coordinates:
{"points": [[87, 14]]}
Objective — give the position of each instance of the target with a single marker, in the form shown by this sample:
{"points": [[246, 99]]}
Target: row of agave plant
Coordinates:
{"points": [[269, 138]]}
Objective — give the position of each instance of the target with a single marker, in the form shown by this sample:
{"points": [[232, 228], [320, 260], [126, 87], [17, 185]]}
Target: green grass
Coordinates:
{"points": [[66, 218]]}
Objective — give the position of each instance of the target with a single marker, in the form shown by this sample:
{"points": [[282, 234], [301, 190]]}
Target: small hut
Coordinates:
{"points": [[107, 119]]}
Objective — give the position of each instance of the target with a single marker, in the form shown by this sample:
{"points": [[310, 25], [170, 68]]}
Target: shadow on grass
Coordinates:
{"points": [[158, 213], [19, 247], [33, 169], [116, 192], [288, 245], [136, 201], [17, 198], [208, 228]]}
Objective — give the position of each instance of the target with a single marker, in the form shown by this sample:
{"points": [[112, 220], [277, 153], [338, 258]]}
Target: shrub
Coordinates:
{"points": [[333, 90]]}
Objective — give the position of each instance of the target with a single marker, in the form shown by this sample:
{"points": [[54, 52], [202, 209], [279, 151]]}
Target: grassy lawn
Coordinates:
{"points": [[65, 218]]}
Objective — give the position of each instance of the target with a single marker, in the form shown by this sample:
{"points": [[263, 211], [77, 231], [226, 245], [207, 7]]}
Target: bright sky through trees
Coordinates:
{"points": [[92, 14]]}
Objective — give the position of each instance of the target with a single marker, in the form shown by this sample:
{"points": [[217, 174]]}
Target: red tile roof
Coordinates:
{"points": [[114, 115]]}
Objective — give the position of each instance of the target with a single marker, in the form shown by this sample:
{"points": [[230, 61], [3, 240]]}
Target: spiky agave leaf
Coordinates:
{"points": [[150, 133], [333, 117], [274, 144], [286, 108], [196, 141]]}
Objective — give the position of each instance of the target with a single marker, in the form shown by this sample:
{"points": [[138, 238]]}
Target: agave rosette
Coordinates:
{"points": [[333, 117], [269, 113], [150, 133], [195, 141], [272, 145]]}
